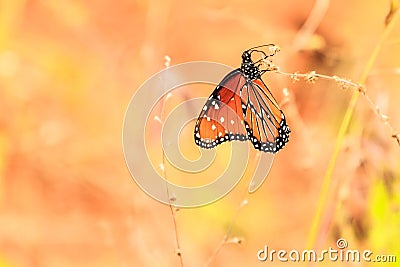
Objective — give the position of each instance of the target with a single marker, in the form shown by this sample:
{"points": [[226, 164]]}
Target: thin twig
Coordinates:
{"points": [[359, 88], [164, 172], [226, 239]]}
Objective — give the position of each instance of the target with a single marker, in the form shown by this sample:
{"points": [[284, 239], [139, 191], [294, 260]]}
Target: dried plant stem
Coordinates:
{"points": [[164, 173], [342, 132], [173, 211], [226, 239], [346, 84]]}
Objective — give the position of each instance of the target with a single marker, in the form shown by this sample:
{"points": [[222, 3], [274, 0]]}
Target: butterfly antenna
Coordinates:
{"points": [[261, 46]]}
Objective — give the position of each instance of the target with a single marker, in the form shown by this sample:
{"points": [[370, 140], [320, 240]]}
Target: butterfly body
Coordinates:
{"points": [[242, 108]]}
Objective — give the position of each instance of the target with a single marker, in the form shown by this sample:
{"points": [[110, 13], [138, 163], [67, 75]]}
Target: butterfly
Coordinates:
{"points": [[242, 108]]}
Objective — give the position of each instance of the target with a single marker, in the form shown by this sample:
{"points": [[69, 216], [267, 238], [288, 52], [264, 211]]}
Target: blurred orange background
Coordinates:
{"points": [[67, 72]]}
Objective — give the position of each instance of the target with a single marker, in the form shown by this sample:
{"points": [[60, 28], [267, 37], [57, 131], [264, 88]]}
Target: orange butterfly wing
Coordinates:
{"points": [[264, 120], [242, 109], [221, 118]]}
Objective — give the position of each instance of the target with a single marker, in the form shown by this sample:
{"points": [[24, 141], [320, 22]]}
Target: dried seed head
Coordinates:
{"points": [[268, 65], [397, 137], [244, 203], [382, 116], [162, 167], [362, 89], [167, 62], [295, 77], [157, 119], [343, 83], [285, 92], [235, 240], [178, 252], [274, 49], [169, 95], [311, 77]]}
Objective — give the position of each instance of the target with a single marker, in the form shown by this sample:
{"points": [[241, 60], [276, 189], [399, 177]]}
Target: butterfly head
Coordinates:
{"points": [[248, 68], [246, 57]]}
